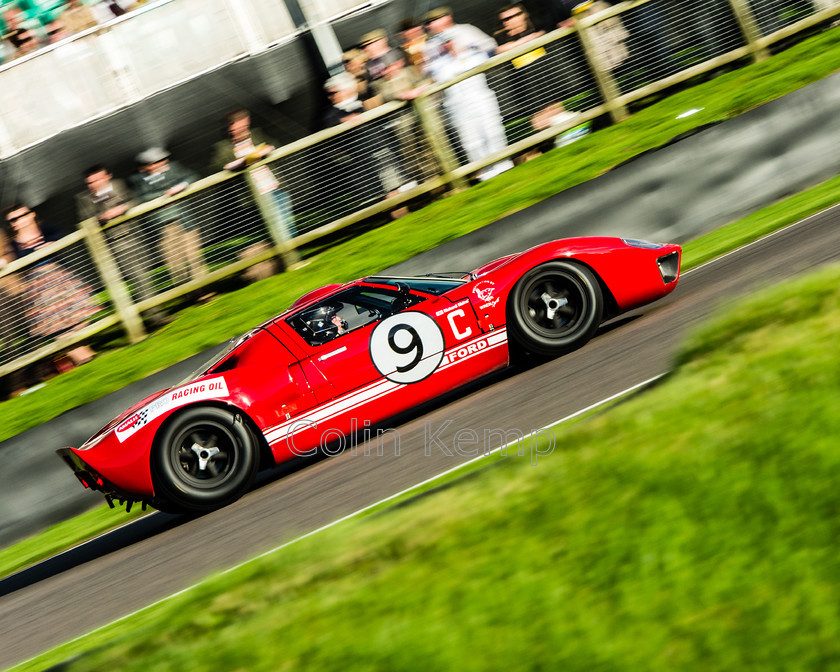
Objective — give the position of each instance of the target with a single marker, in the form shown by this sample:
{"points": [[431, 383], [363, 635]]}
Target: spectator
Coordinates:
{"points": [[7, 255], [244, 146], [375, 45], [379, 139], [107, 10], [413, 41], [180, 239], [346, 166], [472, 107], [344, 104], [565, 67], [78, 17], [22, 42], [12, 329], [400, 81], [608, 36], [560, 12], [528, 75], [355, 62], [14, 334], [57, 31], [21, 35], [58, 303], [14, 18], [106, 199], [515, 27], [381, 59]]}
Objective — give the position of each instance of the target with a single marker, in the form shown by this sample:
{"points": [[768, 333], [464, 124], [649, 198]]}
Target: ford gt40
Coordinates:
{"points": [[349, 356]]}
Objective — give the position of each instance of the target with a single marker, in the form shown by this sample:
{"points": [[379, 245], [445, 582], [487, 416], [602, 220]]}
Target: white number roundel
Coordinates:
{"points": [[406, 347]]}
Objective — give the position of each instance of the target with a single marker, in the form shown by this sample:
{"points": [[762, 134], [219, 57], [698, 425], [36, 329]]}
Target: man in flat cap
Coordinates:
{"points": [[180, 239], [451, 49], [375, 45]]}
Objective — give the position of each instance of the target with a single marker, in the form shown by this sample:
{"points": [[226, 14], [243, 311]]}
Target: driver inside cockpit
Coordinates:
{"points": [[339, 324], [324, 323]]}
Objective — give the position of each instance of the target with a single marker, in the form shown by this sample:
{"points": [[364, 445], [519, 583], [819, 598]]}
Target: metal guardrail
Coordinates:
{"points": [[391, 155]]}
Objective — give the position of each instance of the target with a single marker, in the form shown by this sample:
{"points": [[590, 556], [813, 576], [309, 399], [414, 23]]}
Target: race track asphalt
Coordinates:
{"points": [[150, 559]]}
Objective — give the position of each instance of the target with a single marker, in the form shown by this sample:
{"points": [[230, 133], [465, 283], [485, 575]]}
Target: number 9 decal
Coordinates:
{"points": [[407, 347]]}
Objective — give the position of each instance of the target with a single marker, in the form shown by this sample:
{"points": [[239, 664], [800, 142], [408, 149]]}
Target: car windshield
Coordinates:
{"points": [[218, 356], [346, 311], [436, 284]]}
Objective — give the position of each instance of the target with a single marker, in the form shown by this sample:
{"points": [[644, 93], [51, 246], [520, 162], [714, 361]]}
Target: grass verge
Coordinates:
{"points": [[63, 536], [201, 327], [691, 527]]}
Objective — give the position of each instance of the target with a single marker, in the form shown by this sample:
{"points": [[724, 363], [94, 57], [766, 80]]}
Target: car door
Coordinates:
{"points": [[335, 335], [369, 352]]}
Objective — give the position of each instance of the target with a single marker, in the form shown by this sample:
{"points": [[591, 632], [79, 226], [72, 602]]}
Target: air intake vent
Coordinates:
{"points": [[669, 267]]}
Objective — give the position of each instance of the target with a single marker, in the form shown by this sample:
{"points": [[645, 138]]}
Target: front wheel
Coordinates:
{"points": [[205, 459], [554, 308]]}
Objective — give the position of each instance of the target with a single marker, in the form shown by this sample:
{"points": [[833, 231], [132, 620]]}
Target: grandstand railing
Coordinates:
{"points": [[390, 156]]}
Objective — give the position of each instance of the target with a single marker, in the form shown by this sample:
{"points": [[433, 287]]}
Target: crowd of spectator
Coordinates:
{"points": [[436, 48], [48, 300], [24, 31]]}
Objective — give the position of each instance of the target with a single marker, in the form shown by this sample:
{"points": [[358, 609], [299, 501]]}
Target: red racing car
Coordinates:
{"points": [[349, 356]]}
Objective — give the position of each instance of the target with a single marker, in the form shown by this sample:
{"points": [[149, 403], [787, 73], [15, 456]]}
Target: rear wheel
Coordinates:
{"points": [[205, 458], [554, 308]]}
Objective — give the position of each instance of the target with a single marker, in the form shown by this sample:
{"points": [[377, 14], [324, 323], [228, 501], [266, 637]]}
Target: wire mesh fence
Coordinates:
{"points": [[773, 15], [665, 37], [355, 169], [187, 239]]}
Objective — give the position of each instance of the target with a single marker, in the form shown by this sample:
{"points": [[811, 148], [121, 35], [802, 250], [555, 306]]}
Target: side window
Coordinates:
{"points": [[347, 311]]}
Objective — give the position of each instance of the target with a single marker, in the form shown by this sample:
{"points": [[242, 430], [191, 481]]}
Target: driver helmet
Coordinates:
{"points": [[319, 320]]}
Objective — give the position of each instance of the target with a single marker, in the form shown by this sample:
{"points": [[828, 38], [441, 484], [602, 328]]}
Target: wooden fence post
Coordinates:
{"points": [[603, 77], [746, 20], [277, 215], [112, 280], [435, 133]]}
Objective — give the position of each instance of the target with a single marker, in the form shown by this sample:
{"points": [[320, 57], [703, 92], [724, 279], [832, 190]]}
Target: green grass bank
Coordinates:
{"points": [[200, 327], [692, 527]]}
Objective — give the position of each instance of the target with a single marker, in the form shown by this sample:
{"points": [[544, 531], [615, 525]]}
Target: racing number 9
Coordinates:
{"points": [[414, 345], [406, 347]]}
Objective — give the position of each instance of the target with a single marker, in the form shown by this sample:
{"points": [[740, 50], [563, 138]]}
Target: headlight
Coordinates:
{"points": [[644, 244]]}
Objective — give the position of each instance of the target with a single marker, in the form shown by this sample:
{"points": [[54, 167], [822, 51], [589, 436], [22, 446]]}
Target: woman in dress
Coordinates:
{"points": [[56, 302]]}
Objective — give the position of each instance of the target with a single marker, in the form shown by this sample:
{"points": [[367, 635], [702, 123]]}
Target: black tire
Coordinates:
{"points": [[204, 459], [554, 308]]}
